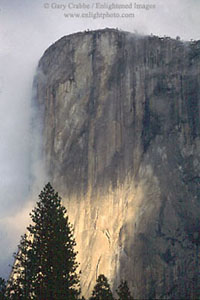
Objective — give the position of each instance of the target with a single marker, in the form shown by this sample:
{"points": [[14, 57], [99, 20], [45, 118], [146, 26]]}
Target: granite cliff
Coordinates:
{"points": [[121, 140]]}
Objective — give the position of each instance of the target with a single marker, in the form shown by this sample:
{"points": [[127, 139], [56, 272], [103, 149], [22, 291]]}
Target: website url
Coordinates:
{"points": [[98, 15]]}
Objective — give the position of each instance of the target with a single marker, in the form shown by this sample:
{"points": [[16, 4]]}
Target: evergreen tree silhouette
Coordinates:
{"points": [[2, 288], [123, 291], [102, 289], [45, 266]]}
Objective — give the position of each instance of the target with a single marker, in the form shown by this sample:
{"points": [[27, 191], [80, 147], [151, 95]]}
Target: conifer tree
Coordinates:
{"points": [[102, 289], [45, 266], [2, 288], [123, 291]]}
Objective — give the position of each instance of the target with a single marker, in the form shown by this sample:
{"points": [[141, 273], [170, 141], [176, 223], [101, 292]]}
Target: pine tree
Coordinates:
{"points": [[2, 288], [123, 291], [45, 266], [102, 289]]}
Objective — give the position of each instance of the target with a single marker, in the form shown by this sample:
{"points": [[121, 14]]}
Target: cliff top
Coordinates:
{"points": [[133, 35], [116, 31]]}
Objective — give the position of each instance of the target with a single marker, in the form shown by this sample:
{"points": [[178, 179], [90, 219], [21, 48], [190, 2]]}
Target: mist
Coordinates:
{"points": [[26, 30]]}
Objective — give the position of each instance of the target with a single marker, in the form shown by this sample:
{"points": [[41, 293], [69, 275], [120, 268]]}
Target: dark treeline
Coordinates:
{"points": [[45, 264]]}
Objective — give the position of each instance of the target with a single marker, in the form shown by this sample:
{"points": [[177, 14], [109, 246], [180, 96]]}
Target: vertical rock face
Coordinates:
{"points": [[121, 143]]}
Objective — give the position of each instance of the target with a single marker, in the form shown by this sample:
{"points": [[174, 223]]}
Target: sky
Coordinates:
{"points": [[29, 27]]}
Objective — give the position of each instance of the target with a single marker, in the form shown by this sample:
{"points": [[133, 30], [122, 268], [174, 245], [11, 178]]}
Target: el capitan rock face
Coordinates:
{"points": [[121, 143]]}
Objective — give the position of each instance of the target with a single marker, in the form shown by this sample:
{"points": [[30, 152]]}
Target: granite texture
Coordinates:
{"points": [[120, 116]]}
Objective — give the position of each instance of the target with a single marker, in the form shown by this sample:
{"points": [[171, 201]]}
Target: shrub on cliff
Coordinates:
{"points": [[45, 266], [102, 289]]}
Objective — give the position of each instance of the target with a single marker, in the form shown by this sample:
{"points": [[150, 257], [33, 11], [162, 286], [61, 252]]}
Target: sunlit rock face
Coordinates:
{"points": [[121, 131]]}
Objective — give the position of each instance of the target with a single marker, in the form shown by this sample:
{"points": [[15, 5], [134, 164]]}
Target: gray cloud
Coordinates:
{"points": [[27, 29]]}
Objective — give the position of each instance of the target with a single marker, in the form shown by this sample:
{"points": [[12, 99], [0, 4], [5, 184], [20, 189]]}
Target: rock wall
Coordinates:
{"points": [[121, 143]]}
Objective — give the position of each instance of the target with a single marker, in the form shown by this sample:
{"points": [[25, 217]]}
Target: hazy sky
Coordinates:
{"points": [[27, 28]]}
